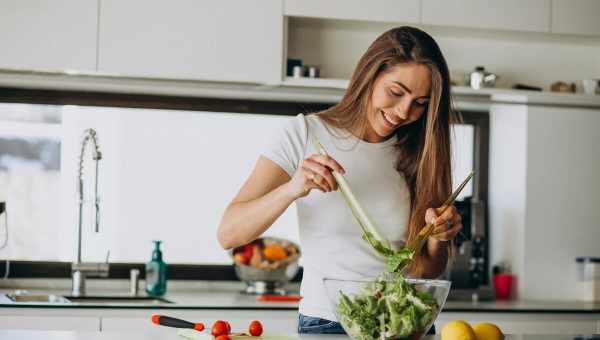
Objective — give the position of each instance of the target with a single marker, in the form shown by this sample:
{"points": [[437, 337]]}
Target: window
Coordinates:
{"points": [[30, 178]]}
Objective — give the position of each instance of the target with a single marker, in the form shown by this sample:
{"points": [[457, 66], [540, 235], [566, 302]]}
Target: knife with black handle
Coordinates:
{"points": [[176, 323]]}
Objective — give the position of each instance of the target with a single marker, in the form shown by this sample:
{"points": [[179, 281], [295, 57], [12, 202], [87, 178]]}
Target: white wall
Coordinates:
{"points": [[544, 195], [531, 58], [563, 199]]}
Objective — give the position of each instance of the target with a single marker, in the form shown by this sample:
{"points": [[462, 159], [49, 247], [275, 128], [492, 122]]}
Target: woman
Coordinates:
{"points": [[390, 137]]}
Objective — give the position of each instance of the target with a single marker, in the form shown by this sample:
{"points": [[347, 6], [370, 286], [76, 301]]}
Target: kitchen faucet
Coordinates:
{"points": [[79, 269]]}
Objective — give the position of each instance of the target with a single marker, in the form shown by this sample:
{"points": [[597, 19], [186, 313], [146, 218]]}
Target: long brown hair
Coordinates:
{"points": [[423, 146]]}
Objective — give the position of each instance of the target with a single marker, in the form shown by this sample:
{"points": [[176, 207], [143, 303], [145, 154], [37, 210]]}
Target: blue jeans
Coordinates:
{"points": [[312, 325]]}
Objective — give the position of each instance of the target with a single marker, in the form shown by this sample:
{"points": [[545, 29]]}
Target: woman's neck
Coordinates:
{"points": [[369, 135], [360, 130]]}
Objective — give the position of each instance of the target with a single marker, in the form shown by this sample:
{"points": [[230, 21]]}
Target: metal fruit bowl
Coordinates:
{"points": [[271, 278]]}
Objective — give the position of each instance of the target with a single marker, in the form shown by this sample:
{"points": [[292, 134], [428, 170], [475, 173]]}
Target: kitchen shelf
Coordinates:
{"points": [[500, 95], [316, 90], [332, 83], [342, 84]]}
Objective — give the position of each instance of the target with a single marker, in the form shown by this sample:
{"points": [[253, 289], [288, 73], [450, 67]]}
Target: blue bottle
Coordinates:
{"points": [[156, 273]]}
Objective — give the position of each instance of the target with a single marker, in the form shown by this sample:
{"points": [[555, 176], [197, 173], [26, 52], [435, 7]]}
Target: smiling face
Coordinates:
{"points": [[400, 96]]}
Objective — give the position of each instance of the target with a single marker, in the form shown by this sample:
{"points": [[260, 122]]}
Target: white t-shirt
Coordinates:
{"points": [[330, 238]]}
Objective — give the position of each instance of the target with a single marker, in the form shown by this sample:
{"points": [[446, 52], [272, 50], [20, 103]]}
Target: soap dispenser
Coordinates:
{"points": [[156, 273]]}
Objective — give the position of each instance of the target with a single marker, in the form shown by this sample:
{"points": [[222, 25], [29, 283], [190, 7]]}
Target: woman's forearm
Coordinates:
{"points": [[245, 221], [436, 258]]}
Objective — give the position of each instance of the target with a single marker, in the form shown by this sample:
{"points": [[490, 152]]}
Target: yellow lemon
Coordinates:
{"points": [[487, 331], [458, 330]]}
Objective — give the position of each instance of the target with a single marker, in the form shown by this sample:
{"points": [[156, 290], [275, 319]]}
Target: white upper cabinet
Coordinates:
{"points": [[46, 35], [576, 17], [400, 11], [222, 40], [517, 15]]}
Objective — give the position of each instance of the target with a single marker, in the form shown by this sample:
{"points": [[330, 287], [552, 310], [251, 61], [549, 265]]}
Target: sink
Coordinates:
{"points": [[91, 299], [124, 299], [37, 298]]}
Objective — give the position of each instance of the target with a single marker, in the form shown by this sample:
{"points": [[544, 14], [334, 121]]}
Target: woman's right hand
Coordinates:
{"points": [[315, 173]]}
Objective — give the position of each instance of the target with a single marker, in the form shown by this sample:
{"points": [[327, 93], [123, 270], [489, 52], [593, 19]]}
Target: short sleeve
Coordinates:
{"points": [[287, 145]]}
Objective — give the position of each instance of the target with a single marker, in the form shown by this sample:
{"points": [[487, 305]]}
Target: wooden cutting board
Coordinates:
{"points": [[190, 334]]}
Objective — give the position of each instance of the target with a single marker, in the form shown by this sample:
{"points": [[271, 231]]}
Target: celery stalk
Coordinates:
{"points": [[371, 232]]}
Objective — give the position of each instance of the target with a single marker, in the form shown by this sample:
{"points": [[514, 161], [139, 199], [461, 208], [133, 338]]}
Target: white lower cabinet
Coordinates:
{"points": [[274, 321], [114, 319], [529, 323], [32, 319]]}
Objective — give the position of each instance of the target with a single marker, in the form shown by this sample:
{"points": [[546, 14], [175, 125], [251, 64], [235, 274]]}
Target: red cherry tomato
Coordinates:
{"points": [[223, 337], [255, 328], [228, 327], [220, 328]]}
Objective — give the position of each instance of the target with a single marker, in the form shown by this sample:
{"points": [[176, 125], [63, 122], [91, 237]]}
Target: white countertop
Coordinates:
{"points": [[227, 295]]}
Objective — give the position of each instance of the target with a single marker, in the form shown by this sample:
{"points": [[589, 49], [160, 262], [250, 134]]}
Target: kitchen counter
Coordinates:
{"points": [[227, 295], [182, 294], [168, 334], [180, 300]]}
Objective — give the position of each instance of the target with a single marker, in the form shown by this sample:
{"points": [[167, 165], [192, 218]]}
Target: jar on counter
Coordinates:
{"points": [[313, 71], [298, 71], [588, 269]]}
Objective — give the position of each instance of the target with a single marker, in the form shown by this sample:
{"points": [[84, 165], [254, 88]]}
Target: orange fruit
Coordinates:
{"points": [[274, 253]]}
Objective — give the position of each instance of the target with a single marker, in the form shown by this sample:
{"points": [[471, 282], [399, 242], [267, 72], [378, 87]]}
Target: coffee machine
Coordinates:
{"points": [[469, 271]]}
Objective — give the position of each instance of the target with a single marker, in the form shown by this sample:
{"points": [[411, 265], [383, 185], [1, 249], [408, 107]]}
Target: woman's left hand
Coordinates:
{"points": [[446, 225]]}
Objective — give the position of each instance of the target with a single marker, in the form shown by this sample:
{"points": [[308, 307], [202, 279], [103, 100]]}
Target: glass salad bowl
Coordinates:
{"points": [[391, 305]]}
